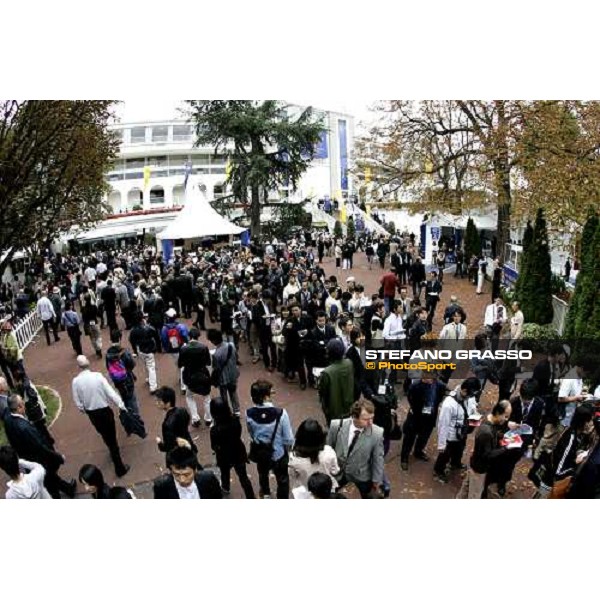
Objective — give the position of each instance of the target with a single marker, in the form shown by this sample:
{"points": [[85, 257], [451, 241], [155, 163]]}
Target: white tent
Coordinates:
{"points": [[198, 218]]}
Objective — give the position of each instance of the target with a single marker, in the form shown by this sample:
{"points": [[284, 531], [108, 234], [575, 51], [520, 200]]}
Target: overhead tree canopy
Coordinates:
{"points": [[518, 155], [53, 159], [267, 146]]}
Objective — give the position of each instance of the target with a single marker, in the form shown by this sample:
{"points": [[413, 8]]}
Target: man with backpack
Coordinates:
{"points": [[174, 336], [120, 365]]}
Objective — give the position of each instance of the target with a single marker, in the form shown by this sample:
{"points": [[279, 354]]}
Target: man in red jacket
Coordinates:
{"points": [[389, 283]]}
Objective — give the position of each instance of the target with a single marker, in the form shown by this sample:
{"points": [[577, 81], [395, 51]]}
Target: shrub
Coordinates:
{"points": [[538, 338]]}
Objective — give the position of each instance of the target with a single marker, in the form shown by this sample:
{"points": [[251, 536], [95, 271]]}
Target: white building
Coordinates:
{"points": [[150, 170]]}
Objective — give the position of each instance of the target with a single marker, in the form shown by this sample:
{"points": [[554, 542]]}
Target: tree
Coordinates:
{"points": [[535, 274], [587, 260], [514, 155], [338, 231], [527, 239], [53, 159], [472, 241], [267, 147], [350, 229]]}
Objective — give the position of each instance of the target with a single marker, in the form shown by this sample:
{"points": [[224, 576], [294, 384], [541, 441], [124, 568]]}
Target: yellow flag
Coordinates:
{"points": [[368, 210], [367, 174], [228, 168], [343, 212], [428, 166], [146, 177]]}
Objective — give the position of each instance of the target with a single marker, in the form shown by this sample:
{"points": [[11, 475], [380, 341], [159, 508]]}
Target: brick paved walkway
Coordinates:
{"points": [[78, 441]]}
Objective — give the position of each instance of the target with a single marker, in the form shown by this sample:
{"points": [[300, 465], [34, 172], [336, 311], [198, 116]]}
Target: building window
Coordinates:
{"points": [[200, 159], [157, 195], [135, 163], [219, 190], [178, 160], [157, 161], [135, 198], [182, 133], [138, 135], [160, 133]]}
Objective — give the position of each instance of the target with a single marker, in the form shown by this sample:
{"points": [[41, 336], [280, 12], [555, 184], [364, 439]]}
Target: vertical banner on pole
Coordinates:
{"points": [[343, 140], [167, 249]]}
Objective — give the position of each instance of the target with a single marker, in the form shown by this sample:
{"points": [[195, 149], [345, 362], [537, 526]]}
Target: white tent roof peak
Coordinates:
{"points": [[198, 218]]}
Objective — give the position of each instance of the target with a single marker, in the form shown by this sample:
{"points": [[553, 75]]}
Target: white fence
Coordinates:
{"points": [[27, 329], [560, 314]]}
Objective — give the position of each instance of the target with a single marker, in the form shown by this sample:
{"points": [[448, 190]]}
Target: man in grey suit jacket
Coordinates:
{"points": [[358, 444]]}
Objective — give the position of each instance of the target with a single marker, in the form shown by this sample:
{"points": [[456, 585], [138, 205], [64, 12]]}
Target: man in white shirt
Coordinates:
{"points": [[90, 277], [393, 327], [570, 392], [494, 320], [91, 393], [47, 314], [26, 477]]}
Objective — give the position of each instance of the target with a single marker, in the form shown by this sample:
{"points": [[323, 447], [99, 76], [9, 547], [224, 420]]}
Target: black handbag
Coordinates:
{"points": [[132, 424], [261, 452]]}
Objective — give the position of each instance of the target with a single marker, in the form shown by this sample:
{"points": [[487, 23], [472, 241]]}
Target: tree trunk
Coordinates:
{"points": [[255, 212], [503, 192]]}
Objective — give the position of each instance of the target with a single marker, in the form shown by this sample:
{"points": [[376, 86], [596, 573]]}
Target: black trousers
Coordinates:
{"points": [[200, 320], [402, 274], [47, 325], [103, 421], [55, 484], [452, 454], [240, 470], [268, 349], [417, 430], [111, 317], [74, 334], [280, 470]]}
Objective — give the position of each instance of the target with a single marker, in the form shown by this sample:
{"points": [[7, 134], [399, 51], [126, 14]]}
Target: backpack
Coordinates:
{"points": [[117, 370], [175, 338], [333, 311]]}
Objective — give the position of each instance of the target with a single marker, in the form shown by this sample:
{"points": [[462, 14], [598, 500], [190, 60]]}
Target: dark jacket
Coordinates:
{"points": [[28, 442], [533, 418], [142, 338], [207, 483], [226, 443], [417, 272], [424, 397], [194, 358], [361, 385], [176, 424], [487, 447], [109, 298]]}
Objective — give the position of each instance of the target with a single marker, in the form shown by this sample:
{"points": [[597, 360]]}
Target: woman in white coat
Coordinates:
{"points": [[310, 455]]}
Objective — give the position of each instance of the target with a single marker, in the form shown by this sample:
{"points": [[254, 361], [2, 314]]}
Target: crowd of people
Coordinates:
{"points": [[312, 328]]}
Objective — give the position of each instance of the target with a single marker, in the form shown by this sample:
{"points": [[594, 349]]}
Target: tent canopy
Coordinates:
{"points": [[198, 218]]}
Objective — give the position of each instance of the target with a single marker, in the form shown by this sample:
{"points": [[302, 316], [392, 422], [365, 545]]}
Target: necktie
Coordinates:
{"points": [[456, 329], [357, 432]]}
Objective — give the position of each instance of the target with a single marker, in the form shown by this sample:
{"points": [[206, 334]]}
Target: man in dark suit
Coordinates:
{"points": [[186, 480], [28, 443], [261, 317], [109, 300], [316, 345], [424, 399]]}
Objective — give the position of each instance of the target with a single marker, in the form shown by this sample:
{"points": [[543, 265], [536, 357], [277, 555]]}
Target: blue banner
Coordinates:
{"points": [[343, 139], [245, 237], [167, 250], [321, 149]]}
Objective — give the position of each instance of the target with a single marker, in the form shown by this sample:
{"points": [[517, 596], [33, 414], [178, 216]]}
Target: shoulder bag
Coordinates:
{"points": [[262, 452]]}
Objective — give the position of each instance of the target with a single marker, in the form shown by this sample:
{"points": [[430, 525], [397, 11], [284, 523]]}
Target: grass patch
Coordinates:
{"points": [[52, 402]]}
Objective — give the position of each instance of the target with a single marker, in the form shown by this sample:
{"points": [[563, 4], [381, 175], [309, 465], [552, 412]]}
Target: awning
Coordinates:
{"points": [[105, 232]]}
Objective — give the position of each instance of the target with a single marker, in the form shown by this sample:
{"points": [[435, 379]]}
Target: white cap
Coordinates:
{"points": [[350, 279], [171, 313]]}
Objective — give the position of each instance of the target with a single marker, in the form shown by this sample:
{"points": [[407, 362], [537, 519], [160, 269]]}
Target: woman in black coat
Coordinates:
{"points": [[226, 443]]}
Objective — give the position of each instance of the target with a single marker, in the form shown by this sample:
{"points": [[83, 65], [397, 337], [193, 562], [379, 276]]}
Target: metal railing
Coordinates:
{"points": [[27, 329]]}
